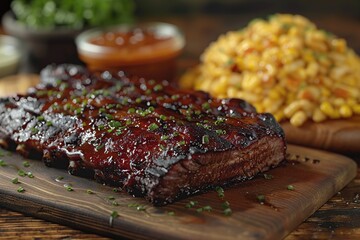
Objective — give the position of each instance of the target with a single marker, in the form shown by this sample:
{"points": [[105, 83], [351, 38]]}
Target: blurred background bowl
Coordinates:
{"points": [[10, 55]]}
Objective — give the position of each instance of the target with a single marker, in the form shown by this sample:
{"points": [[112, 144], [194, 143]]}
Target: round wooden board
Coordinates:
{"points": [[334, 135], [341, 135]]}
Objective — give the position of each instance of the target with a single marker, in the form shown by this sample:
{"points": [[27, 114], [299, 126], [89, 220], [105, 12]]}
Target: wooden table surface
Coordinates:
{"points": [[339, 218]]}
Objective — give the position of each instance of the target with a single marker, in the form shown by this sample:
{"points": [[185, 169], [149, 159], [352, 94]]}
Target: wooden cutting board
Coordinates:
{"points": [[315, 176]]}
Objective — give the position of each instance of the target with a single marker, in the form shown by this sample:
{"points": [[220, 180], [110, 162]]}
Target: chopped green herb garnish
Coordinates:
{"points": [[199, 210], [148, 92], [30, 175], [220, 192], [115, 203], [111, 197], [131, 110], [102, 110], [191, 204], [181, 143], [141, 208], [26, 164], [164, 137], [109, 116], [138, 100], [21, 173], [225, 205], [171, 213], [49, 123], [110, 130], [291, 187], [261, 198], [114, 124], [59, 178], [21, 190], [78, 111], [205, 139], [205, 106], [34, 130], [158, 87], [69, 188], [40, 118], [268, 176], [2, 163], [153, 127], [89, 191], [100, 147], [101, 127], [207, 208], [175, 97], [114, 214], [133, 205], [15, 181], [227, 211]]}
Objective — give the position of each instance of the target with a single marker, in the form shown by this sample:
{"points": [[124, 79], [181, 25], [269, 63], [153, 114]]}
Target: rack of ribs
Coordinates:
{"points": [[140, 135]]}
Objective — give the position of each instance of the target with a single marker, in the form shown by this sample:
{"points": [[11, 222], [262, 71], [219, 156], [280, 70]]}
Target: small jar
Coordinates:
{"points": [[146, 50]]}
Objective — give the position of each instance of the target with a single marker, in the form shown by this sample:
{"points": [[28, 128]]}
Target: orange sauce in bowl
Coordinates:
{"points": [[139, 51]]}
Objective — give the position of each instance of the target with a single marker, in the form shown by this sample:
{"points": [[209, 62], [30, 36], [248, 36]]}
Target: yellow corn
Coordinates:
{"points": [[318, 115], [345, 111], [298, 118]]}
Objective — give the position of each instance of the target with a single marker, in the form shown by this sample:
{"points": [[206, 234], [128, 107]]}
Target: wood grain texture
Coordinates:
{"points": [[341, 135], [316, 176]]}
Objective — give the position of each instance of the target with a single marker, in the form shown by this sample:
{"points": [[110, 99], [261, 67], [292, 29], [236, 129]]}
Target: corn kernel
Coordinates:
{"points": [[298, 118], [345, 111], [356, 109], [327, 108], [318, 115]]}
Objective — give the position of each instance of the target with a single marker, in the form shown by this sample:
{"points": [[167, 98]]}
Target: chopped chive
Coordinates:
{"points": [[148, 92], [191, 204], [131, 110], [26, 164], [69, 188], [220, 192], [207, 208], [21, 190], [101, 127], [158, 87], [109, 116], [171, 213], [175, 97], [102, 110], [49, 123], [153, 127], [30, 175], [40, 118], [291, 187], [111, 197], [164, 137], [225, 205], [261, 198], [133, 205], [21, 173], [141, 208], [205, 106], [100, 147], [199, 210], [115, 190], [15, 180], [268, 176], [114, 214], [114, 124], [34, 130], [59, 178], [181, 143], [138, 100], [89, 191], [78, 111], [227, 211], [205, 139], [2, 163], [115, 203]]}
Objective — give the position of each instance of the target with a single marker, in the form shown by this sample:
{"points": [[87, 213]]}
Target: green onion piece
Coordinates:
{"points": [[49, 123], [89, 191], [40, 118], [138, 100], [171, 213], [69, 188], [153, 127], [109, 116], [268, 176], [158, 87], [30, 175], [2, 163], [111, 197], [21, 173], [34, 130], [102, 110], [205, 139], [205, 106], [26, 164], [133, 205], [175, 97], [181, 143], [114, 214], [164, 137], [220, 192], [15, 180], [131, 110], [199, 210], [191, 204], [227, 211], [141, 208], [207, 208], [115, 203], [291, 187], [114, 124], [21, 190], [225, 205], [261, 198], [148, 92], [59, 178]]}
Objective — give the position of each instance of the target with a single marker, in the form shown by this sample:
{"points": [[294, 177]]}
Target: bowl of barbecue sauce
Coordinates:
{"points": [[146, 50]]}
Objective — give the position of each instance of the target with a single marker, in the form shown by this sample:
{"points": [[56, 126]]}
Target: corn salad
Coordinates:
{"points": [[285, 66]]}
